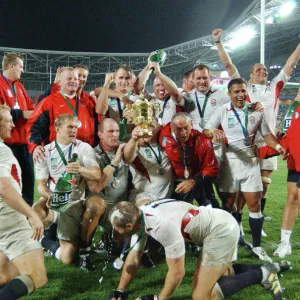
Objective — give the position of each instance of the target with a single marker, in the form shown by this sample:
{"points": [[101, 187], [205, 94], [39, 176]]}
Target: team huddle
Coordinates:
{"points": [[92, 167]]}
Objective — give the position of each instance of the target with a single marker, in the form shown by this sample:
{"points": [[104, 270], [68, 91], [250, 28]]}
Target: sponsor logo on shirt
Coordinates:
{"points": [[148, 153], [112, 102], [252, 119], [213, 102], [9, 93], [53, 163], [296, 115], [164, 142]]}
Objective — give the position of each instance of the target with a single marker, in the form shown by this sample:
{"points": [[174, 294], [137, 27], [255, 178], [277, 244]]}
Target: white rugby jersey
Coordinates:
{"points": [[168, 112], [113, 108], [161, 186], [225, 117], [216, 98], [163, 221], [9, 167], [52, 167], [269, 96]]}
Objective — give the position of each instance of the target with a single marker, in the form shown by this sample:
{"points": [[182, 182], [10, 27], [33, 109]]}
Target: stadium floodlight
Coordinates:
{"points": [[287, 8], [241, 37], [270, 20]]}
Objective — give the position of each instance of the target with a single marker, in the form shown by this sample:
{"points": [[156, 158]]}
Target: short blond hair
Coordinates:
{"points": [[10, 59], [61, 119], [4, 107]]}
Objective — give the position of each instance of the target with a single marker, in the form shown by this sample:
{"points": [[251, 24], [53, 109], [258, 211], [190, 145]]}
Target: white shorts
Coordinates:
{"points": [[269, 164], [220, 243], [236, 175], [15, 235], [219, 152]]}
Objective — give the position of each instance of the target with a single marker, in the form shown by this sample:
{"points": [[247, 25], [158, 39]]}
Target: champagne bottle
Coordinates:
{"points": [[158, 56], [286, 122], [63, 189]]}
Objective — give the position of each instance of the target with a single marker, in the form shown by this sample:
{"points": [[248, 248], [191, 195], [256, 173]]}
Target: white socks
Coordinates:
{"points": [[286, 235]]}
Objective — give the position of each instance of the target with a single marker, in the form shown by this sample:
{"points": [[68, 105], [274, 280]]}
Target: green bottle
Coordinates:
{"points": [[64, 186], [286, 122], [158, 56]]}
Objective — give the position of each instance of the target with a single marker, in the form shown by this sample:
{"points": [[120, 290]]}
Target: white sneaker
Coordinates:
{"points": [[261, 254], [283, 250], [263, 234]]}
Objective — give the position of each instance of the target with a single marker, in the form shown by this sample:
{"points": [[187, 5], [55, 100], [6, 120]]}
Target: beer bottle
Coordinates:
{"points": [[286, 122], [63, 189], [158, 56]]}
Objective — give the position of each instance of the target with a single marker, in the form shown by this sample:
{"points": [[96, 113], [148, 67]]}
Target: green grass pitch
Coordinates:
{"points": [[68, 282]]}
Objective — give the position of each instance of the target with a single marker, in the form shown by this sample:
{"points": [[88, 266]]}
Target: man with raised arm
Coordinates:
{"points": [[267, 93], [22, 266]]}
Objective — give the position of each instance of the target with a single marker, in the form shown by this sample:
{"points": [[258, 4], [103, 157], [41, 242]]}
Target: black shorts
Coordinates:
{"points": [[293, 176]]}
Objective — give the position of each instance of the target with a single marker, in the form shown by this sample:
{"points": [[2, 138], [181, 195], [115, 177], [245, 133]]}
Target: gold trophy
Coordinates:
{"points": [[142, 113]]}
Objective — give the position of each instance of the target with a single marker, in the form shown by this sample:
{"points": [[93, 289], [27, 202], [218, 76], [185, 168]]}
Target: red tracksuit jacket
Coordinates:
{"points": [[41, 124], [201, 157], [18, 134]]}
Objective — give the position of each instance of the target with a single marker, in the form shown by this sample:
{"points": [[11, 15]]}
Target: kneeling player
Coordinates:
{"points": [[22, 267], [76, 226], [170, 222]]}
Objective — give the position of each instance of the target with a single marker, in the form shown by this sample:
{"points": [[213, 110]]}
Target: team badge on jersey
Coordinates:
{"points": [[9, 93], [213, 102], [164, 142], [252, 119], [230, 122], [53, 163], [148, 152], [112, 102]]}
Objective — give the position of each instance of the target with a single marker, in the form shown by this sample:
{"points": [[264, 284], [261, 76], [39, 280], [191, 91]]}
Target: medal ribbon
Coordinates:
{"points": [[12, 87], [109, 160], [119, 108], [158, 158], [183, 152], [61, 154], [163, 109], [75, 112], [245, 132], [201, 112], [141, 233]]}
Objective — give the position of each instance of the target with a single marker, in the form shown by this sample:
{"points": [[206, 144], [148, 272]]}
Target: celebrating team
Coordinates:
{"points": [[140, 186]]}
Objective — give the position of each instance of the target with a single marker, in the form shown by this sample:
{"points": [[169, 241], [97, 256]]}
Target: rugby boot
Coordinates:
{"points": [[271, 283], [261, 254]]}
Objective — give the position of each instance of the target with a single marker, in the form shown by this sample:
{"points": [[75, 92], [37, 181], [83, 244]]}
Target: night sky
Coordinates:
{"points": [[112, 26]]}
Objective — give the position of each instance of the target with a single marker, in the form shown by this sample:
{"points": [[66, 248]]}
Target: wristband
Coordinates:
{"points": [[112, 165], [217, 42], [278, 147]]}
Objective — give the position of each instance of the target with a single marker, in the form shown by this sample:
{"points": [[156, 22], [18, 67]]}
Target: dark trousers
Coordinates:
{"points": [[196, 193], [26, 163]]}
